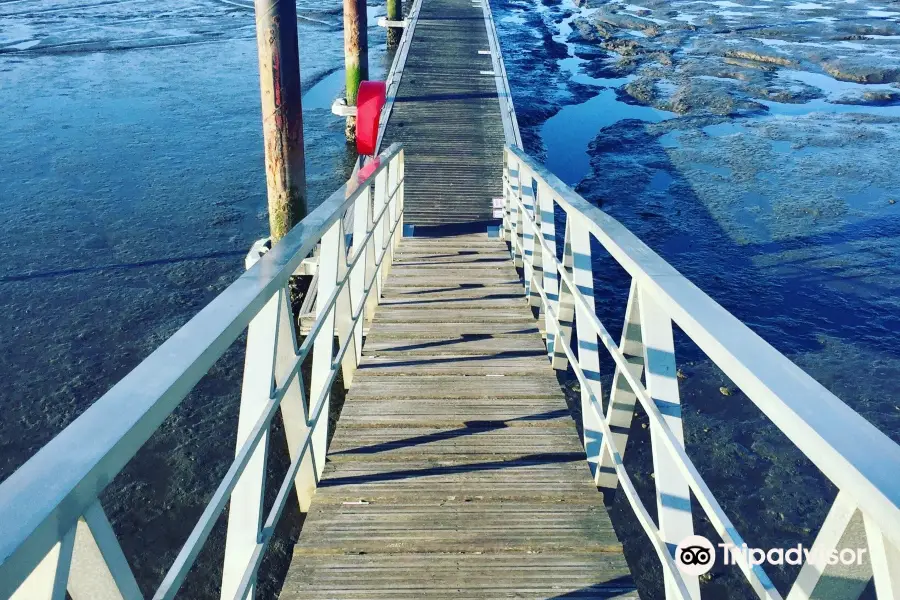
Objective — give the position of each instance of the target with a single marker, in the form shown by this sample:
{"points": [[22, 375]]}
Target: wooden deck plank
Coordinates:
{"points": [[466, 290], [414, 385], [440, 412], [554, 446], [409, 316], [509, 363], [447, 343], [455, 470], [487, 576], [457, 277]]}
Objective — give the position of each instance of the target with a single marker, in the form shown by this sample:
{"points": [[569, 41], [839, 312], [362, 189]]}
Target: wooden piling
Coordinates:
{"points": [[394, 13], [356, 54], [282, 114]]}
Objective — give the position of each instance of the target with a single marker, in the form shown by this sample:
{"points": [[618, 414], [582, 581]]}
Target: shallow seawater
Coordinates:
{"points": [[567, 134], [132, 178], [823, 106], [323, 93]]}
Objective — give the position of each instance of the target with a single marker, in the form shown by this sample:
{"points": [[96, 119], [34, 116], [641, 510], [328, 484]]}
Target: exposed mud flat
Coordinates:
{"points": [[132, 187], [751, 144]]}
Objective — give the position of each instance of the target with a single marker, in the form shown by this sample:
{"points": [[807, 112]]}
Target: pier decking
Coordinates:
{"points": [[455, 470], [447, 116]]}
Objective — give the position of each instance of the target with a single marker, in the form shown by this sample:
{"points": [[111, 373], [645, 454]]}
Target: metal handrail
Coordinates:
{"points": [[825, 429], [55, 494]]}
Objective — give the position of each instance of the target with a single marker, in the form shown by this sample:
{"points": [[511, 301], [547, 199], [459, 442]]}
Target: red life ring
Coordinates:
{"points": [[369, 102]]}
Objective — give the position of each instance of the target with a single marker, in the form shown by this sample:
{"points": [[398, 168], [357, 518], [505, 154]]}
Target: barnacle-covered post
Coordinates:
{"points": [[394, 8], [356, 54]]}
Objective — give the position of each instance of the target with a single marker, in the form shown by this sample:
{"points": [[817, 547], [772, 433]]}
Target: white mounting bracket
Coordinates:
{"points": [[341, 109], [309, 266], [383, 22], [260, 248], [257, 251], [499, 207]]}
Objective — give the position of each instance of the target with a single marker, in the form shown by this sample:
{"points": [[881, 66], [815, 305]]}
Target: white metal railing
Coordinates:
{"points": [[859, 459], [504, 93], [54, 535]]}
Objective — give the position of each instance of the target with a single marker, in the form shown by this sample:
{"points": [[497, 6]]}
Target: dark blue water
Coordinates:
{"points": [[132, 182]]}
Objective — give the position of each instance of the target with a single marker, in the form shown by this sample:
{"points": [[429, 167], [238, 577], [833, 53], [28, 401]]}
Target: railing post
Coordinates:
{"points": [[343, 313], [246, 509], [534, 269], [401, 173], [622, 399], [580, 255], [390, 217], [514, 220], [362, 217], [382, 187], [371, 301], [550, 265], [512, 217], [323, 349], [566, 311], [673, 497], [377, 242], [294, 405], [507, 196], [519, 223]]}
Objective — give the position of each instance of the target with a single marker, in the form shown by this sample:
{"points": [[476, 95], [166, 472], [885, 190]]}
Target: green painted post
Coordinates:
{"points": [[282, 113], [394, 13], [356, 54]]}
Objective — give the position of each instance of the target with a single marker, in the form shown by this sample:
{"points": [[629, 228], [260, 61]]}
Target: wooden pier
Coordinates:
{"points": [[455, 470]]}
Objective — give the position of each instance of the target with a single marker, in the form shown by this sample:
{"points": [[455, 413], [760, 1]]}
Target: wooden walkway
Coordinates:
{"points": [[456, 470], [447, 116]]}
